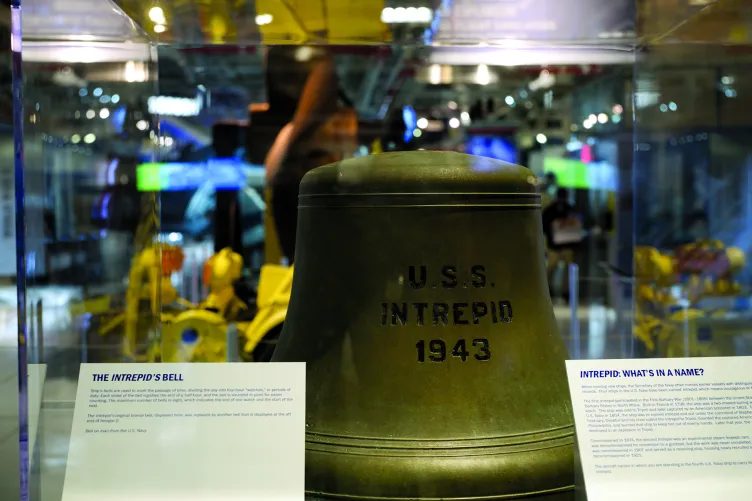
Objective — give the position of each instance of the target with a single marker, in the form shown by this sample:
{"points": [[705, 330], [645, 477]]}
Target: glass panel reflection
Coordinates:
{"points": [[692, 189], [87, 127], [165, 144]]}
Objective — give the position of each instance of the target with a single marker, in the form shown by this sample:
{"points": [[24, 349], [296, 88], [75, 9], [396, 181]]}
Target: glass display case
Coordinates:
{"points": [[432, 203], [691, 187]]}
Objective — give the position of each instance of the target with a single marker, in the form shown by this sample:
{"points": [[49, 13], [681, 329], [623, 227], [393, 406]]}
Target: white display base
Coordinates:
{"points": [[37, 374], [658, 429], [220, 432]]}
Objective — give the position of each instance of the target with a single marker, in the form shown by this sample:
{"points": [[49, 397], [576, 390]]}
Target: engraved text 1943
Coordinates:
{"points": [[454, 313]]}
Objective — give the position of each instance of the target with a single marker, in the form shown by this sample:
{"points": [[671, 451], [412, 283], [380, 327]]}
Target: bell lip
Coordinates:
{"points": [[315, 496], [420, 173], [541, 472], [490, 444]]}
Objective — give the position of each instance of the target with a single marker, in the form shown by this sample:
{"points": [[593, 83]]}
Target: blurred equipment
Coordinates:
{"points": [[273, 299], [150, 280], [155, 324], [687, 304], [200, 334], [221, 272], [707, 268], [383, 272], [150, 302], [195, 336]]}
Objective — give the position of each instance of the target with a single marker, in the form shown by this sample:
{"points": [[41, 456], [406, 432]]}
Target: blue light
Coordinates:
{"points": [[493, 147], [118, 118], [105, 207], [97, 92], [83, 92], [410, 117], [178, 133], [428, 34]]}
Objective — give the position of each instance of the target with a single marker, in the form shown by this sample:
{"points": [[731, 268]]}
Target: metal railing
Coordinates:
{"points": [[598, 319]]}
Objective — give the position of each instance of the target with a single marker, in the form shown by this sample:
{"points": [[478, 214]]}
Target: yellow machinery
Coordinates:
{"points": [[671, 326], [668, 325], [150, 301], [204, 328], [273, 297], [157, 324]]}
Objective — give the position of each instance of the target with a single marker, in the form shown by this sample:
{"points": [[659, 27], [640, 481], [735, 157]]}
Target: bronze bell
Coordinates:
{"points": [[420, 304]]}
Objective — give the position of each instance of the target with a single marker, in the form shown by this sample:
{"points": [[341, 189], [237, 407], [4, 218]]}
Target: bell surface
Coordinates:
{"points": [[421, 307]]}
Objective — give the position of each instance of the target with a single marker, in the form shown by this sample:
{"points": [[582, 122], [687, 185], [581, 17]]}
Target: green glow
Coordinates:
{"points": [[147, 177], [569, 173]]}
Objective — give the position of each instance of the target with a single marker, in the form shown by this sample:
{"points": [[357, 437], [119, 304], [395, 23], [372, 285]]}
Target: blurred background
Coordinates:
{"points": [[153, 122], [155, 135]]}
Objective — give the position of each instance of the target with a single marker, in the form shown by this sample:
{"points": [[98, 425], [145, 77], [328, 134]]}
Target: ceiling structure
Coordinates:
{"points": [[221, 47], [57, 20], [218, 44]]}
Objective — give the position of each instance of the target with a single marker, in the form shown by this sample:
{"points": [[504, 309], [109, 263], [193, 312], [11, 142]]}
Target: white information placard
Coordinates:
{"points": [[187, 432], [658, 429]]}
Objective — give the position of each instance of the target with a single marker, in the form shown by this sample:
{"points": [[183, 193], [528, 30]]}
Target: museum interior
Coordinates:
{"points": [[153, 211]]}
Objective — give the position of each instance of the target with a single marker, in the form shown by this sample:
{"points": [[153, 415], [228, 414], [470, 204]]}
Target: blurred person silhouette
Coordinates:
{"points": [[548, 189], [477, 111], [120, 211], [302, 82], [696, 228], [490, 106], [563, 232]]}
